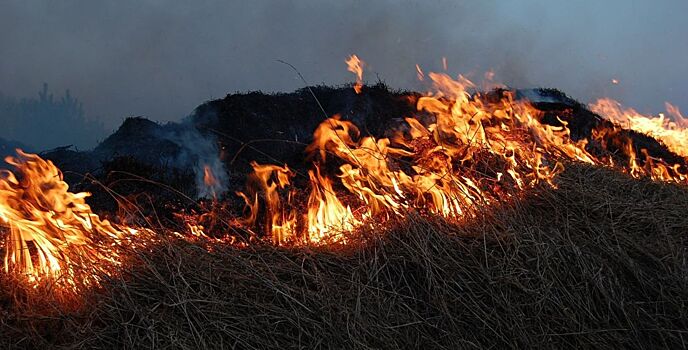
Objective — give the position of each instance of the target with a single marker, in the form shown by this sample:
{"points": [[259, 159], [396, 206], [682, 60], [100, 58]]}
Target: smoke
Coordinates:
{"points": [[200, 153], [162, 58]]}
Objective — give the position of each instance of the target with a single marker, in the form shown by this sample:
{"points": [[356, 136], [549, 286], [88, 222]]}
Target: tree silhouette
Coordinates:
{"points": [[47, 122]]}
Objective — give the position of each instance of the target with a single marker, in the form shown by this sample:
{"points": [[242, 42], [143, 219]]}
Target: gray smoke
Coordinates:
{"points": [[162, 58], [197, 152]]}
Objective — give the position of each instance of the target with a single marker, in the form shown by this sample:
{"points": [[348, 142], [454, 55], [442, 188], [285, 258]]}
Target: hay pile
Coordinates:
{"points": [[600, 262]]}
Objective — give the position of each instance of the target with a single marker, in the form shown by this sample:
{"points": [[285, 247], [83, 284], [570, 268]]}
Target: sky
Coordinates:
{"points": [[161, 59]]}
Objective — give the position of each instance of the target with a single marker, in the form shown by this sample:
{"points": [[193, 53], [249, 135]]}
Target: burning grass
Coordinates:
{"points": [[477, 221], [600, 261]]}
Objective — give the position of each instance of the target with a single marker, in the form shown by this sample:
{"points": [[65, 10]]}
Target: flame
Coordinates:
{"points": [[419, 73], [431, 165], [327, 216], [476, 150], [208, 177], [673, 133], [462, 152], [268, 180], [51, 230], [210, 181], [197, 230], [355, 65]]}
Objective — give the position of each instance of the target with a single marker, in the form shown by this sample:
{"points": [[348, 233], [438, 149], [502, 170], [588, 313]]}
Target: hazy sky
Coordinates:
{"points": [[162, 58]]}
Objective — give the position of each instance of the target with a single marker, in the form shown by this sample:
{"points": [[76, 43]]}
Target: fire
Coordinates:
{"points": [[210, 181], [208, 177], [673, 133], [268, 180], [478, 149], [327, 216], [440, 166], [462, 152], [419, 73], [52, 232], [355, 65]]}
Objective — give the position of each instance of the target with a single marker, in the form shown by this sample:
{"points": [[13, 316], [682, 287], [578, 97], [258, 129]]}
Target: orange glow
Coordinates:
{"points": [[208, 177], [355, 65], [210, 180]]}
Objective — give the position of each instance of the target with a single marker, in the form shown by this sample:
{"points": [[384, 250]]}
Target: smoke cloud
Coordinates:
{"points": [[200, 153], [160, 59]]}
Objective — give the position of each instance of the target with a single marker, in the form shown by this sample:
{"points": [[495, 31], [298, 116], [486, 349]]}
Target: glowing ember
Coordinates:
{"points": [[355, 65]]}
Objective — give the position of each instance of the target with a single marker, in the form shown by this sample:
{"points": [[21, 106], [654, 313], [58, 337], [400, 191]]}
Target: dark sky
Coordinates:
{"points": [[162, 58]]}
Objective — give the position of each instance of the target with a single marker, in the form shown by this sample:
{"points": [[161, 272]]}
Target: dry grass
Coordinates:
{"points": [[600, 262]]}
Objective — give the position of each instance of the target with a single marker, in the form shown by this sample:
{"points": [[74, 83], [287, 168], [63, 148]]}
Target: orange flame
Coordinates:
{"points": [[208, 177], [51, 230], [464, 151], [419, 73], [327, 216], [267, 180], [210, 181], [355, 65], [476, 150], [673, 133]]}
